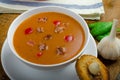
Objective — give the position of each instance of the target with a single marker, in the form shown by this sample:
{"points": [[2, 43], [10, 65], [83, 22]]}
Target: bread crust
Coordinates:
{"points": [[82, 67]]}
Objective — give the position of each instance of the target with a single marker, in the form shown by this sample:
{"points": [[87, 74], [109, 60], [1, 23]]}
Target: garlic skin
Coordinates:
{"points": [[94, 68], [109, 49], [109, 46]]}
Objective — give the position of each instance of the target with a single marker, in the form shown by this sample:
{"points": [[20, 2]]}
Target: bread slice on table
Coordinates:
{"points": [[83, 72]]}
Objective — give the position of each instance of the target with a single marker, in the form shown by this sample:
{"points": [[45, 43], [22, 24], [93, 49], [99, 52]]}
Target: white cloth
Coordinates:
{"points": [[89, 9]]}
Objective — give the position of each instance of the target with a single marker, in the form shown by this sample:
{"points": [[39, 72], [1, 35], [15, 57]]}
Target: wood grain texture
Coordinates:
{"points": [[5, 21], [112, 10]]}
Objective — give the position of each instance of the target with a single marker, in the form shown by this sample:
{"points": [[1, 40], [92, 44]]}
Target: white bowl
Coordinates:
{"points": [[31, 12]]}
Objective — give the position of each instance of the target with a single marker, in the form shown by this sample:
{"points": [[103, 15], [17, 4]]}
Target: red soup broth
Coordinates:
{"points": [[49, 38]]}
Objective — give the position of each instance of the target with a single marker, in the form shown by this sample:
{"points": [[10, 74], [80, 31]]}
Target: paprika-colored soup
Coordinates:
{"points": [[49, 38]]}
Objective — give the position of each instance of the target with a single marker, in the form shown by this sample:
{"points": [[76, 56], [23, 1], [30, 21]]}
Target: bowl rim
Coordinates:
{"points": [[49, 65]]}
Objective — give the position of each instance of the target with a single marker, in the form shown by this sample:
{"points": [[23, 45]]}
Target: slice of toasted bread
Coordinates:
{"points": [[82, 67]]}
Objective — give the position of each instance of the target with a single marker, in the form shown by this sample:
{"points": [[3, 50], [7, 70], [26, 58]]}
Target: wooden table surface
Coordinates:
{"points": [[112, 10]]}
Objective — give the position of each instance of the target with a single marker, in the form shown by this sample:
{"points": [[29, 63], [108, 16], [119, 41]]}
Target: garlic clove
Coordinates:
{"points": [[94, 68], [109, 49], [109, 46]]}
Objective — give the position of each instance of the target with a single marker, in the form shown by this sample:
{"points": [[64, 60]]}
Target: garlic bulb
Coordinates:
{"points": [[94, 68], [109, 46]]}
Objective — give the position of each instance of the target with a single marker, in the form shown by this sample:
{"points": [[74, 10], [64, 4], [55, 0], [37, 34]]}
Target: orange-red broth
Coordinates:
{"points": [[29, 36]]}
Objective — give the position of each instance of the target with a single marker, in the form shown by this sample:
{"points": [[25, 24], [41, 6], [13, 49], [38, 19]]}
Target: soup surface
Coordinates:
{"points": [[48, 38]]}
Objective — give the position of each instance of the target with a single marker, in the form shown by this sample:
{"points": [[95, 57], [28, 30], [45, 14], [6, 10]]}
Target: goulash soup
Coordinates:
{"points": [[49, 38]]}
